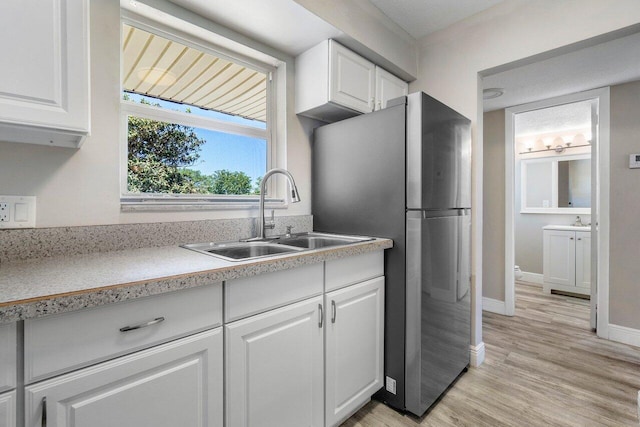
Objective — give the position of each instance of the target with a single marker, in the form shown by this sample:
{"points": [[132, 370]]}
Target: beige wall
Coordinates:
{"points": [[450, 61], [493, 206], [81, 187], [624, 268]]}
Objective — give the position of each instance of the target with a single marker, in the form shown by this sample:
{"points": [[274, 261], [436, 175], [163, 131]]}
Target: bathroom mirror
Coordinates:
{"points": [[559, 184]]}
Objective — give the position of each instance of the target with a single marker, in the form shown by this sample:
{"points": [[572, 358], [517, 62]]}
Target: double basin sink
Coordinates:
{"points": [[280, 245]]}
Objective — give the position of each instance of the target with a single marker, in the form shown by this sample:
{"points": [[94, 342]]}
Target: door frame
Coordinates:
{"points": [[600, 184]]}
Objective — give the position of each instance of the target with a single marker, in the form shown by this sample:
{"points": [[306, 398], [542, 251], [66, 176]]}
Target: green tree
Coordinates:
{"points": [[227, 182], [159, 156]]}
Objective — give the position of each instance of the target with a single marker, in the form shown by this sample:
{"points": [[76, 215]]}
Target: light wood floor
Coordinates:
{"points": [[543, 367]]}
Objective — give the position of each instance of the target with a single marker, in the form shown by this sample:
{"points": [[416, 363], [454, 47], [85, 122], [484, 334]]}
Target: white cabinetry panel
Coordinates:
{"points": [[351, 79], [334, 83], [8, 352], [388, 87], [274, 367], [44, 78], [60, 343], [8, 409], [567, 260], [175, 384], [583, 260], [354, 347], [251, 295], [559, 257]]}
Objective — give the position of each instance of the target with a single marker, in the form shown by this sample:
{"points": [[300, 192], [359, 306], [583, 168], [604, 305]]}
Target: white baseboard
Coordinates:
{"points": [[477, 354], [624, 335], [536, 278], [494, 306]]}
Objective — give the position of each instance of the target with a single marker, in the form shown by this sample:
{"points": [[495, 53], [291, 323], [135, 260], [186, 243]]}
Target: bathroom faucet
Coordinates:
{"points": [[295, 198]]}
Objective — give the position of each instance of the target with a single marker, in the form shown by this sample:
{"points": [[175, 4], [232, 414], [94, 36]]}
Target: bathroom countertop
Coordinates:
{"points": [[46, 286], [586, 228]]}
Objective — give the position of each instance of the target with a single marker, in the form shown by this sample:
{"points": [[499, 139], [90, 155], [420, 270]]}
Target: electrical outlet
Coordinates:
{"points": [[390, 385], [4, 212], [17, 211]]}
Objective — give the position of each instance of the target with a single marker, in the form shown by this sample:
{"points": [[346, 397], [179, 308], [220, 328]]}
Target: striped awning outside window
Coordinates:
{"points": [[164, 69]]}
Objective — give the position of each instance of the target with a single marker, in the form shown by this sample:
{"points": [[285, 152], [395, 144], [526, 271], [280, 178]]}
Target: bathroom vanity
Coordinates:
{"points": [[567, 259]]}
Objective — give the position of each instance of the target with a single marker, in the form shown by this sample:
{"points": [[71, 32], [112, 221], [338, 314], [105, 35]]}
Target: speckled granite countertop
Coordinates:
{"points": [[45, 286]]}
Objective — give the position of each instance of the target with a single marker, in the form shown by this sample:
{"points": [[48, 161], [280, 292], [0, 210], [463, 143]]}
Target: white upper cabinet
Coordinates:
{"points": [[351, 79], [334, 83], [388, 87], [44, 77]]}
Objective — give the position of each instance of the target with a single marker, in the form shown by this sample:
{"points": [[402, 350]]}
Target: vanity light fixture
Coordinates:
{"points": [[558, 144]]}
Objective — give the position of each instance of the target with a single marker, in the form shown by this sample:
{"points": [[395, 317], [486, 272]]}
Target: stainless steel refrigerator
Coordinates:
{"points": [[405, 173]]}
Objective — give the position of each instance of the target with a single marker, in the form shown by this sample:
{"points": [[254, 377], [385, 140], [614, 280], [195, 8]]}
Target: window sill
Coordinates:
{"points": [[172, 203]]}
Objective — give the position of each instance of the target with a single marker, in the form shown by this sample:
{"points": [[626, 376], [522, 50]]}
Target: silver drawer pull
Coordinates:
{"points": [[142, 325], [43, 419], [333, 311]]}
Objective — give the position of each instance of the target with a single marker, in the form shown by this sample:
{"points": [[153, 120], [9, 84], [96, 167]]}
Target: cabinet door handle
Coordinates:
{"points": [[579, 238], [320, 316], [43, 419], [142, 325], [333, 311], [570, 238]]}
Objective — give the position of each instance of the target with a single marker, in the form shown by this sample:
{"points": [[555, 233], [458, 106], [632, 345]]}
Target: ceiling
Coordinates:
{"points": [[560, 118], [423, 17], [604, 64]]}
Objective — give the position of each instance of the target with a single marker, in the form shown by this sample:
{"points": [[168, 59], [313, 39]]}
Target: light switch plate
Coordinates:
{"points": [[17, 211], [634, 161]]}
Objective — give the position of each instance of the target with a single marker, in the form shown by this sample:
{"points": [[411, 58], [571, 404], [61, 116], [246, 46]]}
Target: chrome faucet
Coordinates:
{"points": [[295, 198]]}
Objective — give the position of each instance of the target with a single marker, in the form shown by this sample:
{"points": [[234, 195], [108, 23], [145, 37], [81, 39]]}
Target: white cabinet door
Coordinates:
{"points": [[351, 79], [8, 352], [388, 87], [44, 77], [8, 409], [583, 260], [354, 347], [174, 384], [559, 257], [274, 367]]}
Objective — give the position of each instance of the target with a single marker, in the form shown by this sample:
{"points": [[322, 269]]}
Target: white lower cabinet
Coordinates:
{"points": [[567, 260], [354, 347], [274, 367], [175, 384], [8, 409]]}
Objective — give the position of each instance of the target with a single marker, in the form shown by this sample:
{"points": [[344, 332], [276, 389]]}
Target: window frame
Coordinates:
{"points": [[172, 201]]}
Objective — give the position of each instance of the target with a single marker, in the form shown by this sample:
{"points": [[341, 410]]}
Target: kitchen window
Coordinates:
{"points": [[197, 122]]}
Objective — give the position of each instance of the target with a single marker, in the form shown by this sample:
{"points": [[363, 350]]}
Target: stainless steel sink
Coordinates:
{"points": [[319, 240], [240, 251], [277, 245]]}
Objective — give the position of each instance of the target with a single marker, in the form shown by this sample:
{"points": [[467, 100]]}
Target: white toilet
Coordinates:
{"points": [[517, 272]]}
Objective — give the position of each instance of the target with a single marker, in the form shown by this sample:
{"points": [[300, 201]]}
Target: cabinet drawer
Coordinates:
{"points": [[251, 295], [175, 384], [64, 342], [347, 271], [8, 351], [8, 409]]}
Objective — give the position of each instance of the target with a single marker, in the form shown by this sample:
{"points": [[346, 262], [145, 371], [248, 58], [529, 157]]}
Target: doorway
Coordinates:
{"points": [[549, 160]]}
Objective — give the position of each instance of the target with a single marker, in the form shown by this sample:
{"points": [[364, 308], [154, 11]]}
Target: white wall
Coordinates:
{"points": [[450, 61], [81, 187]]}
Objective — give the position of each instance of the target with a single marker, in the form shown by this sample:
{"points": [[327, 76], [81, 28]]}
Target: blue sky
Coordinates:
{"points": [[223, 150]]}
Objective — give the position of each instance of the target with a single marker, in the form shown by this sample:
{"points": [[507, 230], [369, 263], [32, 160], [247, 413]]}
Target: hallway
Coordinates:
{"points": [[543, 367]]}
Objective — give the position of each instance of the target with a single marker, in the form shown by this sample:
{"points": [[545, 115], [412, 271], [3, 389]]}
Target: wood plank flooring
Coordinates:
{"points": [[543, 367]]}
